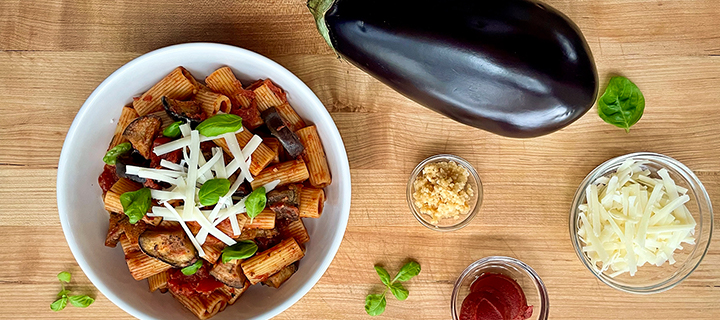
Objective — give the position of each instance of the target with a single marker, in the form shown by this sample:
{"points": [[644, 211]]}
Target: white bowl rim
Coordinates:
{"points": [[324, 115]]}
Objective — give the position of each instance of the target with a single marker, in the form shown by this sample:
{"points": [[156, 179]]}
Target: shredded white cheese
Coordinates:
{"points": [[631, 219]]}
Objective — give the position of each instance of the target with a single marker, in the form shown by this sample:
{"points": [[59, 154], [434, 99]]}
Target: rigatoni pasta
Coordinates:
{"points": [[176, 237], [315, 157], [179, 84]]}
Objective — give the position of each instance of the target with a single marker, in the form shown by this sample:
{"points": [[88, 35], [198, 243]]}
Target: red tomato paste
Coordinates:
{"points": [[199, 283], [495, 297]]}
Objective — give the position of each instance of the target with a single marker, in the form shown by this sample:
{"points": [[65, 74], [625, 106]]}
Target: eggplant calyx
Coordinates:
{"points": [[318, 8]]}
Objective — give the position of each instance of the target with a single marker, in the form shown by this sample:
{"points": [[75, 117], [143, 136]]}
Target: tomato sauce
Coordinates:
{"points": [[107, 178], [495, 297], [199, 283]]}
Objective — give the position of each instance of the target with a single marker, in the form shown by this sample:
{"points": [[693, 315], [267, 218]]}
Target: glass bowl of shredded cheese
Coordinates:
{"points": [[444, 192], [641, 222]]}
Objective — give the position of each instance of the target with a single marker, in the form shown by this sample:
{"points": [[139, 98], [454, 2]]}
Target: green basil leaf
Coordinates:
{"points": [[219, 124], [59, 304], [136, 204], [212, 190], [173, 130], [255, 202], [384, 275], [81, 301], [622, 104], [242, 250], [408, 271], [191, 269], [118, 150], [375, 304], [64, 276], [399, 291], [64, 292]]}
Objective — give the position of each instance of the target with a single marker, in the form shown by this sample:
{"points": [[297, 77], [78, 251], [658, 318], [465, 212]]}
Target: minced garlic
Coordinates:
{"points": [[442, 191]]}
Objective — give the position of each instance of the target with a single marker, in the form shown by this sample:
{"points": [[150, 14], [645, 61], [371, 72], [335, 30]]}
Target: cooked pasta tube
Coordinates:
{"points": [[267, 94], [271, 261], [179, 84], [234, 293], [260, 158], [128, 246], [264, 220], [112, 197], [314, 156], [204, 307], [143, 266], [292, 119], [127, 115], [287, 172], [274, 145], [166, 120], [158, 281], [212, 102], [223, 81], [295, 229], [312, 201]]}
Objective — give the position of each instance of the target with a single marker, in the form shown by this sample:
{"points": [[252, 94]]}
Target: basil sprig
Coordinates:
{"points": [[255, 202], [622, 104], [211, 191], [173, 130], [375, 303], [118, 150], [219, 124], [242, 250], [191, 269], [81, 301], [136, 204]]}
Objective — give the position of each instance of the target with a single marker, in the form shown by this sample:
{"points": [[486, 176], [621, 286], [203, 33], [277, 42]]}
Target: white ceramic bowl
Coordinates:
{"points": [[85, 222]]}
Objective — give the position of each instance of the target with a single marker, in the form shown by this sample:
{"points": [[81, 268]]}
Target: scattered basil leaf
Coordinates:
{"points": [[59, 304], [118, 150], [255, 202], [136, 204], [64, 276], [408, 271], [242, 250], [63, 292], [219, 124], [191, 269], [173, 130], [622, 104], [375, 304], [211, 191], [384, 275], [81, 301], [399, 291]]}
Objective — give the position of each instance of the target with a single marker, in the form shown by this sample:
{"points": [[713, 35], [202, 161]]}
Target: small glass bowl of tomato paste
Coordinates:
{"points": [[493, 287]]}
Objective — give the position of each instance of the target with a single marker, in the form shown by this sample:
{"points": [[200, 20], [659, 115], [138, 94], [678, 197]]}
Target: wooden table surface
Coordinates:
{"points": [[53, 53]]}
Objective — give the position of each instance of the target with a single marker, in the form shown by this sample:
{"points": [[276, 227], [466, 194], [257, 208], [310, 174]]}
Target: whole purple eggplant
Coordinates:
{"points": [[517, 68]]}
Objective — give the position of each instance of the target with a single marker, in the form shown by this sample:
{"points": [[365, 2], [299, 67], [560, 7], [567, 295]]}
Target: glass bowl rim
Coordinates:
{"points": [[503, 260], [473, 173], [701, 197]]}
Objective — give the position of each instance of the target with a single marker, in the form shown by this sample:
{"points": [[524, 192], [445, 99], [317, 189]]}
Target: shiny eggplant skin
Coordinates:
{"points": [[517, 68]]}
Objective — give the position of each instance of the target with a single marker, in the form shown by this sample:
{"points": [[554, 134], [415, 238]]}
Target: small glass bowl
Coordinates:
{"points": [[531, 284], [449, 224], [650, 278]]}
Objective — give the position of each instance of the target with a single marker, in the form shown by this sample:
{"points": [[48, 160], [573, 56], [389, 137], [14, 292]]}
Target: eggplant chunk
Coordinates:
{"points": [[280, 130], [120, 170], [171, 247], [141, 133], [188, 111], [285, 202], [229, 273], [279, 278], [115, 229], [243, 190]]}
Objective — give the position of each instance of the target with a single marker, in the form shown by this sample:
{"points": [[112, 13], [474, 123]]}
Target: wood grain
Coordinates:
{"points": [[54, 53]]}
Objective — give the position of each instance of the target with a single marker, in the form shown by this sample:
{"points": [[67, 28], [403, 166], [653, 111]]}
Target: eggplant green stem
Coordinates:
{"points": [[318, 8]]}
